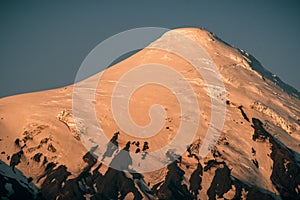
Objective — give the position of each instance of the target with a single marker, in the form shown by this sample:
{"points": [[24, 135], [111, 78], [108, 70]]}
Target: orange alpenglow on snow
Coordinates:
{"points": [[255, 156]]}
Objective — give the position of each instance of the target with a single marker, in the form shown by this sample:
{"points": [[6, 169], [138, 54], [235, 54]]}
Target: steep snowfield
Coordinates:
{"points": [[256, 156]]}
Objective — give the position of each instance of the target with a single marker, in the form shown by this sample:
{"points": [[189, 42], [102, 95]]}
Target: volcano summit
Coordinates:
{"points": [[187, 117]]}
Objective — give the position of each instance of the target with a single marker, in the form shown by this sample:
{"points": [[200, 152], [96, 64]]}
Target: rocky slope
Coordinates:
{"points": [[255, 157]]}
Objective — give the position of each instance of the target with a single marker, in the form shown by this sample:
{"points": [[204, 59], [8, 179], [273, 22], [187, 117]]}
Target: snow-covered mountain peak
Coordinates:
{"points": [[255, 156]]}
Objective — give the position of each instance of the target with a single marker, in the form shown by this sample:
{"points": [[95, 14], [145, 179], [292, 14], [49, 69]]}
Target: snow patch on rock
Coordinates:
{"points": [[76, 126], [278, 120]]}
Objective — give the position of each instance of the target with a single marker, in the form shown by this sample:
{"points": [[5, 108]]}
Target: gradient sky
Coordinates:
{"points": [[43, 43]]}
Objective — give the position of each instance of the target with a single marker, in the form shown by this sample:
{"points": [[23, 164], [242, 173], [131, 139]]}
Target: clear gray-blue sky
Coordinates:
{"points": [[42, 43]]}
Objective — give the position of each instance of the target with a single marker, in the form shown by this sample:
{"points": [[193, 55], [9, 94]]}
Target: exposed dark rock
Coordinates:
{"points": [[27, 136], [15, 160], [50, 166], [89, 158], [216, 153], [136, 175], [193, 149], [29, 180], [253, 151], [285, 171], [44, 141], [73, 189], [137, 150], [112, 146], [114, 184], [17, 142], [51, 148], [45, 160], [259, 132], [196, 180], [19, 192], [145, 146], [37, 157], [137, 144], [221, 183], [156, 186], [243, 113], [114, 139], [254, 194], [19, 187], [172, 187], [255, 162], [52, 185], [238, 188], [212, 163], [33, 131]]}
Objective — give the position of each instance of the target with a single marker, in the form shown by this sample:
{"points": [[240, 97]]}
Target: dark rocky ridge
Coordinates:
{"points": [[286, 171], [257, 66], [114, 184]]}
